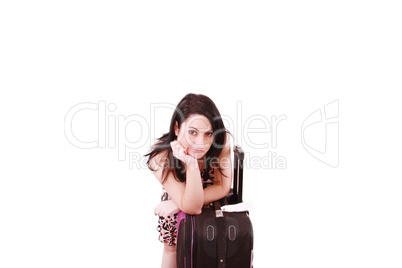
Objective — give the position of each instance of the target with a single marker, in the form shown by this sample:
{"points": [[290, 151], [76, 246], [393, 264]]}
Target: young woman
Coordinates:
{"points": [[192, 162]]}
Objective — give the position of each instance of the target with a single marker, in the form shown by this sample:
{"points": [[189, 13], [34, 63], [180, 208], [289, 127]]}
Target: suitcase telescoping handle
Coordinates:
{"points": [[237, 194]]}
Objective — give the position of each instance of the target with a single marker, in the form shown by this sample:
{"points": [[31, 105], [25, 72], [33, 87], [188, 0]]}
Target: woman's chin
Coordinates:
{"points": [[197, 156]]}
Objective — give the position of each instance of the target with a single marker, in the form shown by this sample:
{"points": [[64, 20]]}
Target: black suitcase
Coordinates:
{"points": [[216, 238]]}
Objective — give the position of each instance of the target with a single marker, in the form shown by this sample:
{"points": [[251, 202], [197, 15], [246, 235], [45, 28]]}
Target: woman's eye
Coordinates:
{"points": [[192, 132], [209, 134]]}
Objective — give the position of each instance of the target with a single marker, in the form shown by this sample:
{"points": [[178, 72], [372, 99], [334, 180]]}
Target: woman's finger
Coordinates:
{"points": [[178, 150], [175, 147], [160, 212], [157, 209]]}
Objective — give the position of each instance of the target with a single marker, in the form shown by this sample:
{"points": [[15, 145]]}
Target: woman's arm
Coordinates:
{"points": [[222, 184], [193, 195], [188, 196], [218, 190]]}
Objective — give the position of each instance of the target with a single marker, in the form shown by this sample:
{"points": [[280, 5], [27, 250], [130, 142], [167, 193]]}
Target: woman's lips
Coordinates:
{"points": [[196, 151]]}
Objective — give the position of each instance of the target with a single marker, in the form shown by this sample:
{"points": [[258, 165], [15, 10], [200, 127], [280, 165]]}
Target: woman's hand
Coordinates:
{"points": [[166, 208], [180, 152]]}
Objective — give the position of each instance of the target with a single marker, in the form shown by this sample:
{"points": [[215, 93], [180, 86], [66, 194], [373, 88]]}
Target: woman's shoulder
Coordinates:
{"points": [[158, 160], [226, 146]]}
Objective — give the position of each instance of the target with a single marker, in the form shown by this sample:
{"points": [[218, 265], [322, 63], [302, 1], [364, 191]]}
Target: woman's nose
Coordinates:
{"points": [[200, 140]]}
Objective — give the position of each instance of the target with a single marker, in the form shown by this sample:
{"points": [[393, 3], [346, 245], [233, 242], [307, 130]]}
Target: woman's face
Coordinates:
{"points": [[196, 135]]}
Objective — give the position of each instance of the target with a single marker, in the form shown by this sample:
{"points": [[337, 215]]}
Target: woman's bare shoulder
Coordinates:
{"points": [[158, 161], [226, 147]]}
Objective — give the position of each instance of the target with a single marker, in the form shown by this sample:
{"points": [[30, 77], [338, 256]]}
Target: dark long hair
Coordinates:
{"points": [[189, 105]]}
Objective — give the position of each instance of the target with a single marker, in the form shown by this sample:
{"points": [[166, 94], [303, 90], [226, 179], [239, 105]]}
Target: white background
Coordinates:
{"points": [[64, 206]]}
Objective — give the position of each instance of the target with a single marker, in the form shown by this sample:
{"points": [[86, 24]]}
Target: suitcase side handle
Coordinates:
{"points": [[237, 193]]}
